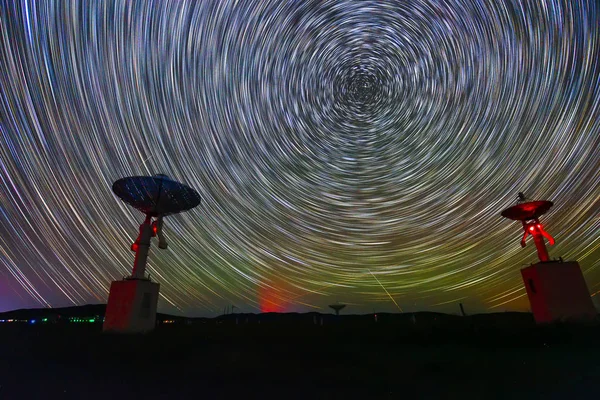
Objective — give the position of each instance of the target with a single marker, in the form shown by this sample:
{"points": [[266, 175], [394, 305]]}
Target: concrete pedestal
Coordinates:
{"points": [[557, 291], [131, 306]]}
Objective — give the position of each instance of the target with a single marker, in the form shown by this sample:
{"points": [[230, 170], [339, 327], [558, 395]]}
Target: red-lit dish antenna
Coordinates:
{"points": [[528, 213]]}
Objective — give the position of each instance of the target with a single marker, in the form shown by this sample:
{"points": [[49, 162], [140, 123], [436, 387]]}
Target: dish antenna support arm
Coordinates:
{"points": [[142, 248], [536, 230]]}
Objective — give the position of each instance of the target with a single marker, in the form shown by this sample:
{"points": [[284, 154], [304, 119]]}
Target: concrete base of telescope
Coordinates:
{"points": [[557, 292], [131, 306]]}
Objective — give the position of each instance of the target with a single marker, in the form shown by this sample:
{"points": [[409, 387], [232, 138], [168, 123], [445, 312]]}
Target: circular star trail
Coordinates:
{"points": [[353, 151]]}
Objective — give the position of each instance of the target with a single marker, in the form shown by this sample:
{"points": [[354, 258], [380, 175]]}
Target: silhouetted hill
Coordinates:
{"points": [[424, 320], [88, 310]]}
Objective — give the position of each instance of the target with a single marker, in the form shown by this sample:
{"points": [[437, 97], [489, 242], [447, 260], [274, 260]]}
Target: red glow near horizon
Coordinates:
{"points": [[269, 300]]}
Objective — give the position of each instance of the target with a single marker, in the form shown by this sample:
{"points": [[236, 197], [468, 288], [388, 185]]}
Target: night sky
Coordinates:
{"points": [[345, 151]]}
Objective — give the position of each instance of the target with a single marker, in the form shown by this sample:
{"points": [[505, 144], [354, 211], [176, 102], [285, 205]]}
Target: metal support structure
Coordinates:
{"points": [[538, 239], [535, 229], [142, 248]]}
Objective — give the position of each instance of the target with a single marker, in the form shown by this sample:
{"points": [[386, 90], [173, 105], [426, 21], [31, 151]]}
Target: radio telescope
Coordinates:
{"points": [[337, 308], [556, 289], [528, 213], [132, 302]]}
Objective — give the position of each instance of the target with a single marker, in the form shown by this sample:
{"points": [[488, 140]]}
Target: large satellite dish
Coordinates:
{"points": [[132, 302], [156, 195], [527, 211]]}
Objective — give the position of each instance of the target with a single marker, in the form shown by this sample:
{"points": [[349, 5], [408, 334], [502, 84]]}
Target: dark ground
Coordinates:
{"points": [[496, 356]]}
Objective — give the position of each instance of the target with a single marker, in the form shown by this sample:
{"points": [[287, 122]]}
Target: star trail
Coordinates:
{"points": [[352, 151]]}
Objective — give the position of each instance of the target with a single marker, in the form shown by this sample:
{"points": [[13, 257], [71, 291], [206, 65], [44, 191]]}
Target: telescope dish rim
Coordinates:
{"points": [[156, 195], [528, 210]]}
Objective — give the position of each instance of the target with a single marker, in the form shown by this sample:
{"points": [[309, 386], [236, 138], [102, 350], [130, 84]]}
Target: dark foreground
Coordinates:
{"points": [[463, 358]]}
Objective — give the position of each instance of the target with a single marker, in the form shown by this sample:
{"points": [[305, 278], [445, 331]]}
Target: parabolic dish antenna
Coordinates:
{"points": [[156, 195], [337, 308], [527, 211]]}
